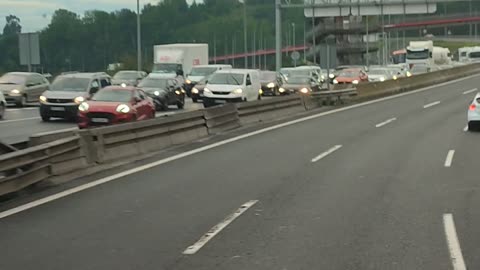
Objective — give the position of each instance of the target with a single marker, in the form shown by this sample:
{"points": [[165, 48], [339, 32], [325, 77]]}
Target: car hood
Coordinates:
{"points": [[103, 106], [6, 88], [150, 90], [295, 86], [200, 86], [347, 79], [127, 82], [195, 78], [64, 94], [223, 87]]}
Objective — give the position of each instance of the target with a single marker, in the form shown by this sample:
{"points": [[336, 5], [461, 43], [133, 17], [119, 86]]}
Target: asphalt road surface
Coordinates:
{"points": [[20, 123], [388, 185]]}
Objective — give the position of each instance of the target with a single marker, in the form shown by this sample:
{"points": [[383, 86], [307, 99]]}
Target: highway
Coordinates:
{"points": [[20, 123], [388, 184]]}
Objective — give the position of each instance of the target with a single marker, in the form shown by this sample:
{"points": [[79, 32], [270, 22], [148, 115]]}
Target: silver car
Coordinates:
{"points": [[3, 105], [473, 114], [22, 87]]}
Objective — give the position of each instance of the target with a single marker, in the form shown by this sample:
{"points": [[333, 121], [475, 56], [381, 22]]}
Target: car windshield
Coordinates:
{"points": [[348, 74], [227, 78], [126, 75], [304, 72], [299, 80], [417, 54], [202, 71], [268, 76], [378, 72], [166, 68], [70, 84], [12, 79], [113, 95], [153, 83]]}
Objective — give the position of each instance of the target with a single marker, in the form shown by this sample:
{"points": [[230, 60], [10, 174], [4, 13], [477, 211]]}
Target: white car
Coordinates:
{"points": [[234, 85], [473, 114], [3, 105], [379, 74]]}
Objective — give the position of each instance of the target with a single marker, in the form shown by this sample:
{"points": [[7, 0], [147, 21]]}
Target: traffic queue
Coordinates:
{"points": [[97, 99]]}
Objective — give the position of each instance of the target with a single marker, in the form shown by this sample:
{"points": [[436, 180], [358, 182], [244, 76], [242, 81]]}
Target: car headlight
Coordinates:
{"points": [[206, 90], [237, 91], [355, 82], [188, 81], [271, 85], [281, 90], [409, 74], [84, 107], [331, 75], [123, 85], [15, 92], [382, 79], [43, 99], [304, 90], [156, 93], [335, 81], [177, 92], [195, 90], [183, 91], [79, 100], [123, 108], [260, 91], [395, 77]]}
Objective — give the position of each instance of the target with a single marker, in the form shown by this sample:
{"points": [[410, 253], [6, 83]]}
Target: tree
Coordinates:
{"points": [[13, 26]]}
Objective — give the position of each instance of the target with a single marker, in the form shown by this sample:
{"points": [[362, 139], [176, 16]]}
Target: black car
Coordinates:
{"points": [[164, 92], [271, 82]]}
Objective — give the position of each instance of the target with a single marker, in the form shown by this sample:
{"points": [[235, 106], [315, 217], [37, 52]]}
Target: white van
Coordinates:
{"points": [[200, 72], [234, 85]]}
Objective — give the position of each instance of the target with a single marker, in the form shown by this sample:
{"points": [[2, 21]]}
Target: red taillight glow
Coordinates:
{"points": [[472, 107]]}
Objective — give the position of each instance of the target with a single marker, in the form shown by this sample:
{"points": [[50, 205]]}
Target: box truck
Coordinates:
{"points": [[420, 53], [169, 58]]}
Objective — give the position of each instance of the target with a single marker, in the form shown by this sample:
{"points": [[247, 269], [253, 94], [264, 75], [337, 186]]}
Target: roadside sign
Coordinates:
{"points": [[295, 56], [29, 49]]}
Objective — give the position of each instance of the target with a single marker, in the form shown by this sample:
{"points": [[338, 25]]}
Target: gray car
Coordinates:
{"points": [[68, 91], [22, 87], [128, 77]]}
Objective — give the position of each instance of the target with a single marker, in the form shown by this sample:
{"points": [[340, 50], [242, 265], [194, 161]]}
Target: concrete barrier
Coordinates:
{"points": [[22, 168], [127, 140], [271, 109], [329, 98], [221, 118]]}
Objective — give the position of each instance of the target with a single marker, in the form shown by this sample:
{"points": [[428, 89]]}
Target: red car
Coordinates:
{"points": [[115, 104], [351, 76]]}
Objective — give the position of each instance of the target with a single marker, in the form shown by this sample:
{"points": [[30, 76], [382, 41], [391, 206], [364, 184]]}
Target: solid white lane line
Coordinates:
{"points": [[218, 228], [326, 153], [431, 104], [385, 122], [453, 244], [120, 175], [18, 120], [449, 159], [465, 128], [470, 91]]}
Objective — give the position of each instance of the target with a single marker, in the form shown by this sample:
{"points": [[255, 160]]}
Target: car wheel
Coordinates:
{"points": [[45, 118], [2, 110], [207, 102], [180, 104], [259, 97], [23, 102], [471, 126], [194, 99]]}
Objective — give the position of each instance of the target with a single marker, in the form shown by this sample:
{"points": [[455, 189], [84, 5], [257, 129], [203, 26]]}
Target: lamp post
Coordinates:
{"points": [[139, 41]]}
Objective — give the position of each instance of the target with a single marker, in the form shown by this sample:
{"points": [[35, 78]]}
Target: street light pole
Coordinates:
{"points": [[245, 32], [139, 41]]}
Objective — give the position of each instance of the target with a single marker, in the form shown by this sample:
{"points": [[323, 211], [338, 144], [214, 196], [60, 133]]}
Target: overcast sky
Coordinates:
{"points": [[36, 14]]}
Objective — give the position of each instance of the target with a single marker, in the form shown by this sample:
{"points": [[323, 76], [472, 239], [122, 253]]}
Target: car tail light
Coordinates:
{"points": [[473, 107]]}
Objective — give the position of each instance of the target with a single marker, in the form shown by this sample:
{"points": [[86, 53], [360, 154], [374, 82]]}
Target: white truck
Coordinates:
{"points": [[420, 54], [169, 58], [441, 56]]}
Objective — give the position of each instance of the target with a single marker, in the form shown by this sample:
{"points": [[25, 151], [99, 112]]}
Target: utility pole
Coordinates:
{"points": [[233, 48], [139, 41], [367, 42], [313, 33], [304, 42], [215, 48], [254, 58], [278, 35], [293, 39], [245, 44]]}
